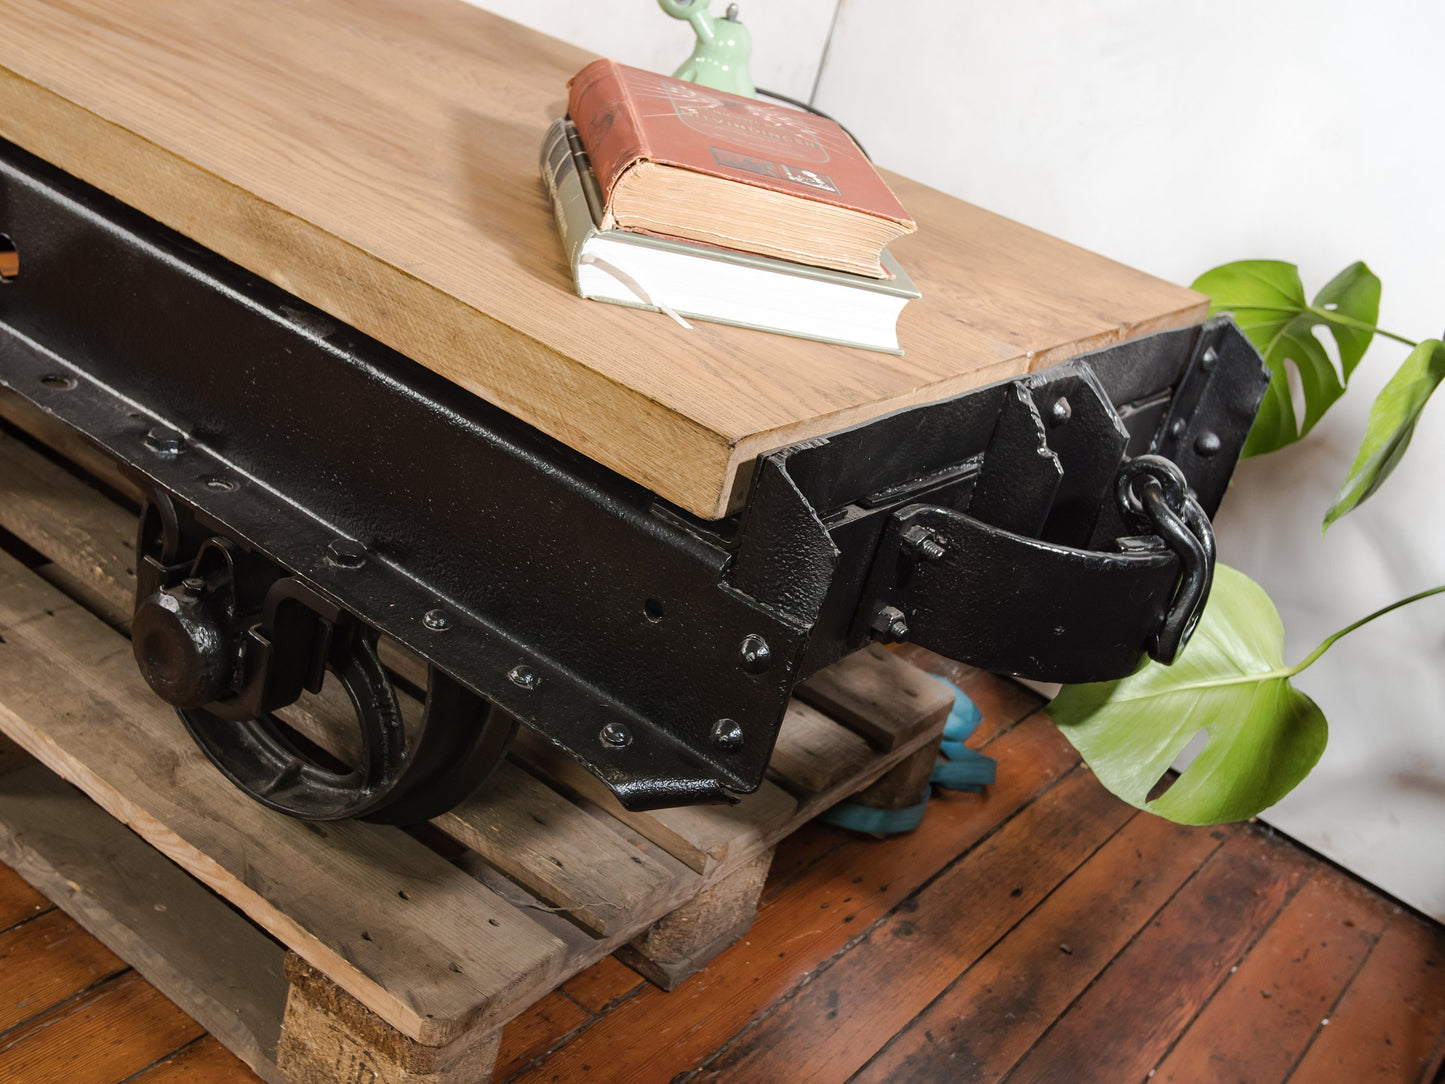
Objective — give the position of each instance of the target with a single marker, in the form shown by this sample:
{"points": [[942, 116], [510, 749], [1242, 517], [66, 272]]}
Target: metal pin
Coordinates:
{"points": [[727, 735]]}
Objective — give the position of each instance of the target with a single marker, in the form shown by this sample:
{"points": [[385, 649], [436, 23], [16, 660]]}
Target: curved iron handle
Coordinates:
{"points": [[1153, 495]]}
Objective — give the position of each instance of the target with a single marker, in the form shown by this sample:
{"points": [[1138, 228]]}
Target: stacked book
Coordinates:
{"points": [[698, 203]]}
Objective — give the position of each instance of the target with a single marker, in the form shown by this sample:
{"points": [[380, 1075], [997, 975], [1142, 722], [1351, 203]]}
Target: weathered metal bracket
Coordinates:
{"points": [[658, 649]]}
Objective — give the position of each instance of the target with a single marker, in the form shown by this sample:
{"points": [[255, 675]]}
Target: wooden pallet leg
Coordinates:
{"points": [[903, 785], [328, 1037], [682, 944]]}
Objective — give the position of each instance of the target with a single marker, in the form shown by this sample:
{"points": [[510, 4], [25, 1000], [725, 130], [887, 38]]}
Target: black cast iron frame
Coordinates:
{"points": [[657, 648]]}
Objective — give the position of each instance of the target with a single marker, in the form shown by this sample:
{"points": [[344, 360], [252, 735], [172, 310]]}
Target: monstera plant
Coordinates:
{"points": [[1231, 681]]}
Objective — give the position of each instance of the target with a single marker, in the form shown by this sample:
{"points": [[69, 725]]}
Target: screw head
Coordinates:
{"points": [[727, 736], [437, 620], [163, 440], [1061, 411], [346, 553], [524, 677], [615, 736], [1207, 444], [757, 656]]}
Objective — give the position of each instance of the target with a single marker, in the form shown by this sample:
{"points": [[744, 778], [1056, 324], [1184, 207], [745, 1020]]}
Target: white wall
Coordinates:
{"points": [[1175, 137], [788, 35]]}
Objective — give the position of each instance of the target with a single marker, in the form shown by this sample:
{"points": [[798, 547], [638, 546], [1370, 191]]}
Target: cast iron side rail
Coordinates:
{"points": [[312, 489]]}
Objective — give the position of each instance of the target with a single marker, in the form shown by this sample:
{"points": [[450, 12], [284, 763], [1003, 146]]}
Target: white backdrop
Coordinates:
{"points": [[1176, 137]]}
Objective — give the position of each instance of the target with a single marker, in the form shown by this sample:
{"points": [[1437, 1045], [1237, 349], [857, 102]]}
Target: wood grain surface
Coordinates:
{"points": [[1232, 952], [313, 887], [378, 159]]}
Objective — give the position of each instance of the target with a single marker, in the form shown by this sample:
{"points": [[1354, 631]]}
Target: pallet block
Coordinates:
{"points": [[400, 954]]}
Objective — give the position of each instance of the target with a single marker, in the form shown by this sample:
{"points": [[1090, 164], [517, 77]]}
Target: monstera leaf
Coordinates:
{"points": [[1230, 681], [1268, 302], [1392, 424]]}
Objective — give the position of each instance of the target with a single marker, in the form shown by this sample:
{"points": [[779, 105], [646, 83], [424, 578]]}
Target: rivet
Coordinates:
{"points": [[1209, 360], [346, 553], [1176, 430], [163, 440], [615, 736], [757, 656], [524, 677], [727, 735], [1207, 443], [437, 620], [1061, 411]]}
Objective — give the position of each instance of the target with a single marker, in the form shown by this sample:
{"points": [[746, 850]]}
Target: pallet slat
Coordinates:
{"points": [[559, 852], [322, 890], [129, 896]]}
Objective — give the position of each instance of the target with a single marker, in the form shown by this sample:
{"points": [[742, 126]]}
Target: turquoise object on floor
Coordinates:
{"points": [[962, 769]]}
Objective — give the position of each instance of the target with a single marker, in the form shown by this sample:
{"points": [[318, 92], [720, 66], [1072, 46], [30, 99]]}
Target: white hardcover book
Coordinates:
{"points": [[701, 282]]}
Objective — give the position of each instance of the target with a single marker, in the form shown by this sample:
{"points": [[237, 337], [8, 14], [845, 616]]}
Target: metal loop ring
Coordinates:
{"points": [[1163, 471], [1191, 538]]}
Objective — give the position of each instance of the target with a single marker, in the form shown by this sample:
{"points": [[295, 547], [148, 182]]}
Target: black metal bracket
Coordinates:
{"points": [[657, 648]]}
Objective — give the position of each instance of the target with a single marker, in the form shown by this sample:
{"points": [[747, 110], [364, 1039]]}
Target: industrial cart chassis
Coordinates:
{"points": [[311, 490]]}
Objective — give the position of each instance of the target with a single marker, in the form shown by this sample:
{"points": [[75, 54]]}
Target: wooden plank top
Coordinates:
{"points": [[378, 159]]}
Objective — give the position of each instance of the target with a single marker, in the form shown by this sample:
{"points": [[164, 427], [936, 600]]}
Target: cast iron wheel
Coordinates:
{"points": [[460, 741]]}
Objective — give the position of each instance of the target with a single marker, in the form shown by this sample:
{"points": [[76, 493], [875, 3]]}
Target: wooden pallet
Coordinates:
{"points": [[360, 952]]}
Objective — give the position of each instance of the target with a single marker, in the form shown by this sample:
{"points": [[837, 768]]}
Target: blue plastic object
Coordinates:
{"points": [[962, 769]]}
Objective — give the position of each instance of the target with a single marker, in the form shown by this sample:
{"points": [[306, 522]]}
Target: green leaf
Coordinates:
{"points": [[1268, 302], [1231, 681], [1392, 424]]}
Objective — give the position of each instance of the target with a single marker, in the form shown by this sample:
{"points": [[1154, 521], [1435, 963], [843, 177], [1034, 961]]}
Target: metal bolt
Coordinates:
{"points": [[1207, 444], [346, 553], [163, 440], [524, 677], [727, 735], [1061, 411], [922, 542], [615, 736], [437, 620], [193, 586], [890, 625], [1209, 360], [757, 655]]}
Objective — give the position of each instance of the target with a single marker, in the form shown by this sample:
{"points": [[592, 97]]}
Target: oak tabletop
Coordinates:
{"points": [[378, 158]]}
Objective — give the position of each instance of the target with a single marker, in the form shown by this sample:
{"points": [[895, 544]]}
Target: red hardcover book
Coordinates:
{"points": [[683, 160]]}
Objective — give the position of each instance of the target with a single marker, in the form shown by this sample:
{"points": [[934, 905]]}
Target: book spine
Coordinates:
{"points": [[570, 204], [607, 121]]}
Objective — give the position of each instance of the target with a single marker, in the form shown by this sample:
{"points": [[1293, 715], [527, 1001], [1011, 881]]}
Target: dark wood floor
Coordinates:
{"points": [[1039, 932]]}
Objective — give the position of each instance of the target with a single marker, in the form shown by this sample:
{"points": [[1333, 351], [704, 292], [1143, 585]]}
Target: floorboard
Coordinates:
{"points": [[1039, 931]]}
